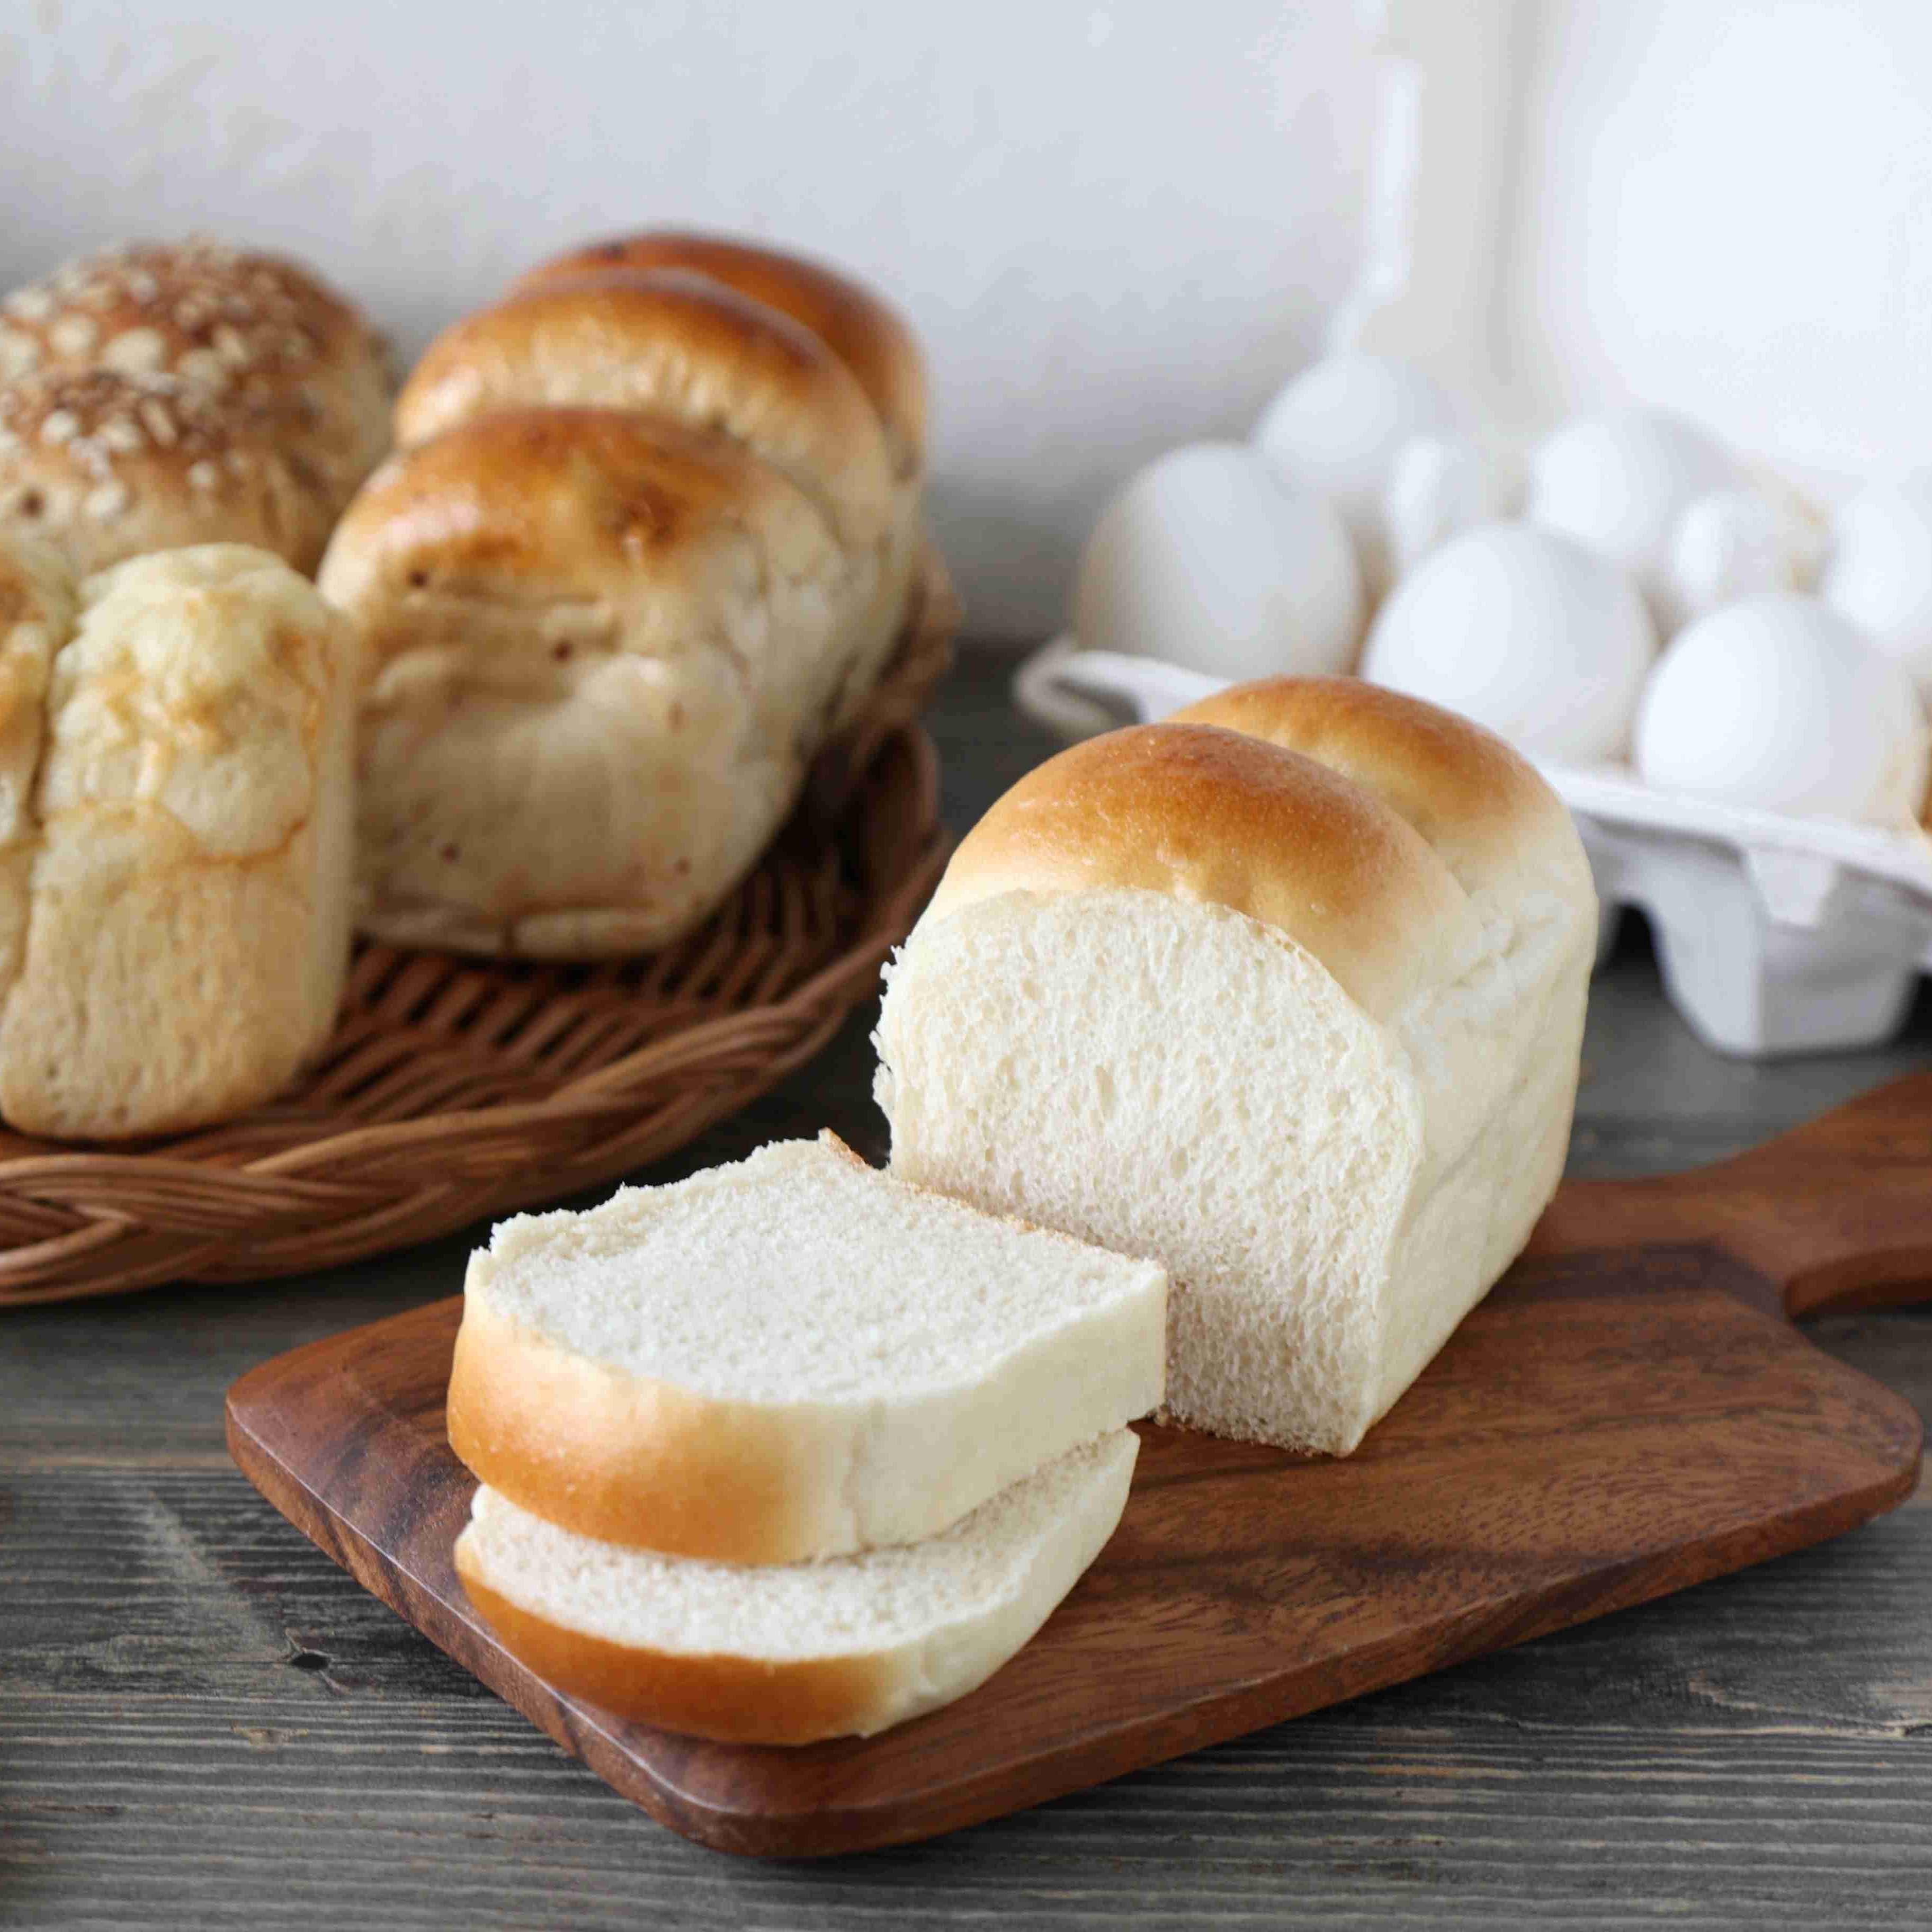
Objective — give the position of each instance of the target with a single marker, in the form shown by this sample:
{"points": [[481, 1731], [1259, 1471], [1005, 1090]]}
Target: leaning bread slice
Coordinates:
{"points": [[794, 1356], [789, 1653]]}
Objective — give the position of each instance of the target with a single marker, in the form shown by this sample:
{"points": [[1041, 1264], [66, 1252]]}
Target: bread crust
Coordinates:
{"points": [[184, 933], [105, 466], [863, 330], [243, 325], [603, 650], [1201, 813], [1477, 802], [677, 345], [625, 1458], [733, 1699]]}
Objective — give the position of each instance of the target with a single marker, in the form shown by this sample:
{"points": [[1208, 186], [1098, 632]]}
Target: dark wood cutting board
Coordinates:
{"points": [[1629, 1411]]}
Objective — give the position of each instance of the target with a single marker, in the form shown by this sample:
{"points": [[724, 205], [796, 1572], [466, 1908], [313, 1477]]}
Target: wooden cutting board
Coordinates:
{"points": [[1629, 1411]]}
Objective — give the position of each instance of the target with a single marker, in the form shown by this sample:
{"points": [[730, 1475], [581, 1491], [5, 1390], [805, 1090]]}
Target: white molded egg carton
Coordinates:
{"points": [[1776, 935]]}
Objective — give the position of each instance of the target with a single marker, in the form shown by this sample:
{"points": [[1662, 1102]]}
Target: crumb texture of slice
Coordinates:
{"points": [[790, 1653], [795, 1356]]}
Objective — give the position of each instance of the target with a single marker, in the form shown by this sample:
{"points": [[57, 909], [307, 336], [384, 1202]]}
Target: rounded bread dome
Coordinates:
{"points": [[1205, 814], [243, 324], [104, 465], [674, 345], [863, 330]]}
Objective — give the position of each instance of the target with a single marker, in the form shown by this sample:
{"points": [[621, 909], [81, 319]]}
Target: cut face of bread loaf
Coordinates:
{"points": [[1293, 1007], [794, 1356], [793, 1653], [177, 862], [602, 652]]}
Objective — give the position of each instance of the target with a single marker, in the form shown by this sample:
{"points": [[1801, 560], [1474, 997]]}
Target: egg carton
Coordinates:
{"points": [[1776, 935]]}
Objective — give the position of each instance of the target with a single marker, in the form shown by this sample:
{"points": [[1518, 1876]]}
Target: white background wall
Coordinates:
{"points": [[1725, 205], [1115, 226]]}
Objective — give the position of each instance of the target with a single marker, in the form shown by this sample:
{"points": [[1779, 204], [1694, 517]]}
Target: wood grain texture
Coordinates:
{"points": [[204, 1722], [1616, 1421]]}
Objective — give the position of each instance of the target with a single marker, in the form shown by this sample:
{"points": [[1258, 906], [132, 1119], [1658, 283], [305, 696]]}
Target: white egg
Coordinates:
{"points": [[1779, 702], [1619, 480], [1337, 428], [1440, 485], [1208, 559], [1525, 631], [1728, 544], [1878, 573]]}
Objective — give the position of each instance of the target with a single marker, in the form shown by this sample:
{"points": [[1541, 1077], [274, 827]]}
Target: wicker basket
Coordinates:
{"points": [[455, 1088]]}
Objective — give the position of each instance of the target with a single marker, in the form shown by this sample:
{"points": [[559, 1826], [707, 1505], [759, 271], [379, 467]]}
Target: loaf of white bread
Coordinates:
{"points": [[791, 1449], [646, 545], [1286, 995], [176, 748]]}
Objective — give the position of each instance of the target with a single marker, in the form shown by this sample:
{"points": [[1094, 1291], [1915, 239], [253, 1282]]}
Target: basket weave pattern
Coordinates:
{"points": [[454, 1088]]}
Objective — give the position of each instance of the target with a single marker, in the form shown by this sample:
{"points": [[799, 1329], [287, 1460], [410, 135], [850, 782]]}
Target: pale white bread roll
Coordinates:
{"points": [[104, 466], [794, 1356], [857, 323], [248, 326], [1303, 1024], [789, 1654], [602, 652], [188, 865], [685, 348]]}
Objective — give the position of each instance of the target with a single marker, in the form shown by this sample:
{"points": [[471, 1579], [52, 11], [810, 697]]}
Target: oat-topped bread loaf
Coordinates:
{"points": [[247, 326], [790, 1654], [1287, 994], [105, 466], [175, 772], [791, 1357], [602, 650]]}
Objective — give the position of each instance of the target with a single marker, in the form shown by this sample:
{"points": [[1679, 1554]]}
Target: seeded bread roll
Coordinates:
{"points": [[104, 465], [602, 651], [179, 875], [1293, 1008], [249, 326], [855, 322]]}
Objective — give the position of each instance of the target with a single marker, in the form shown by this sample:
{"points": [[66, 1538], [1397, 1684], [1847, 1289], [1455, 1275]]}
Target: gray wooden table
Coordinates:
{"points": [[203, 1722]]}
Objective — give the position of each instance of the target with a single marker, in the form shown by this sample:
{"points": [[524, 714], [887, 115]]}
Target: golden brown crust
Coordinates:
{"points": [[617, 1456], [553, 500], [1206, 814], [242, 324], [855, 322], [105, 466], [1476, 801], [677, 345], [735, 1700]]}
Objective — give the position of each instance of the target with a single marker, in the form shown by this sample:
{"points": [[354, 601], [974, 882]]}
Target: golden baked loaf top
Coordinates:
{"points": [[675, 345], [863, 330]]}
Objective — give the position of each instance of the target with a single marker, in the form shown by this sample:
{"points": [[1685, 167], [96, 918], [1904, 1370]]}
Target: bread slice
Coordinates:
{"points": [[788, 1653], [794, 1356], [1289, 997]]}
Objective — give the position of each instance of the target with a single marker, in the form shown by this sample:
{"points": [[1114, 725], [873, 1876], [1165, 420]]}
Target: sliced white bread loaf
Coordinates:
{"points": [[1293, 1007], [789, 1653], [793, 1357]]}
